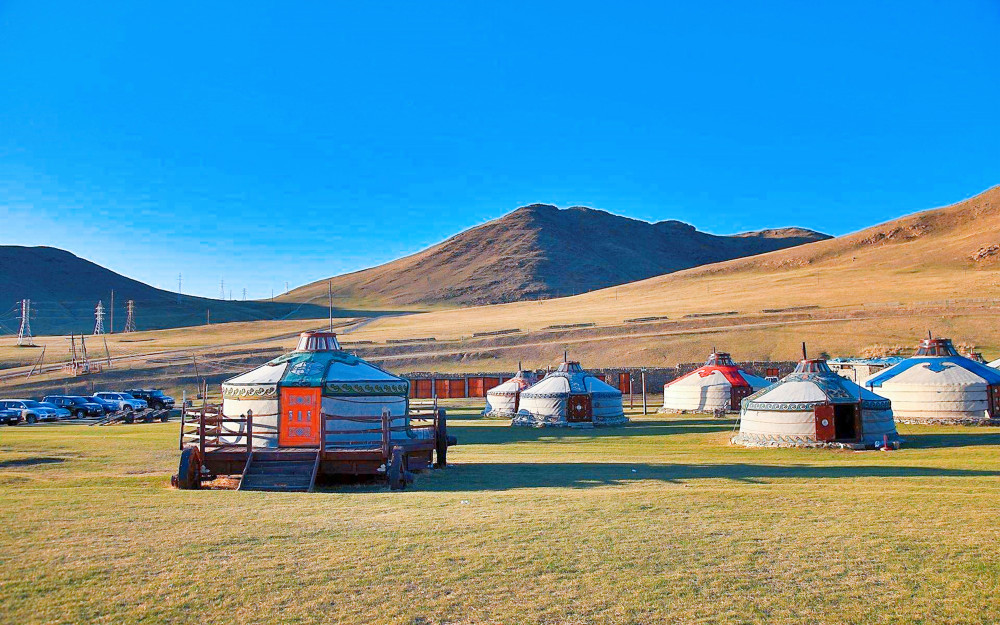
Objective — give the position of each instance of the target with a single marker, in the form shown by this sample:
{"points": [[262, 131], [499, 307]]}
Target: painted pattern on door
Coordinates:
{"points": [[736, 395], [826, 424], [300, 414], [578, 409]]}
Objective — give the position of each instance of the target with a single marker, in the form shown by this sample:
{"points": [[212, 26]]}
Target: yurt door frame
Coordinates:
{"points": [[994, 397], [579, 409], [299, 424], [736, 395], [838, 422]]}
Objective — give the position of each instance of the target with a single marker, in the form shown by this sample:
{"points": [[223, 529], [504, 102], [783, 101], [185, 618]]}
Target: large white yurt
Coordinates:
{"points": [[570, 397], [813, 406], [289, 395], [718, 385], [505, 399], [938, 385]]}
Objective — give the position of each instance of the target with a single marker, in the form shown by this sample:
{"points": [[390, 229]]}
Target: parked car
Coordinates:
{"points": [[31, 410], [10, 416], [123, 401], [107, 405], [154, 397], [78, 406], [61, 413]]}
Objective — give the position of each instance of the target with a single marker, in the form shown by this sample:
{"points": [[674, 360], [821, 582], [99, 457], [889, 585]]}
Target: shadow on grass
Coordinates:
{"points": [[503, 434], [499, 477], [956, 439], [30, 462]]}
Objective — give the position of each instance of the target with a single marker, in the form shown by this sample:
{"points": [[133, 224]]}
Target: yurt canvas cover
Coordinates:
{"points": [[815, 406], [504, 399], [289, 395], [572, 397], [938, 385], [718, 385]]}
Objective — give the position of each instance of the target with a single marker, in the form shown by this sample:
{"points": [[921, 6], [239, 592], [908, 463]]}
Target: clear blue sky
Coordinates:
{"points": [[292, 141]]}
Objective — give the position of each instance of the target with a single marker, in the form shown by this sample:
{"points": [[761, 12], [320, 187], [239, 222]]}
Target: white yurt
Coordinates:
{"points": [[290, 394], [813, 406], [937, 385], [718, 385], [505, 399], [995, 364], [570, 397]]}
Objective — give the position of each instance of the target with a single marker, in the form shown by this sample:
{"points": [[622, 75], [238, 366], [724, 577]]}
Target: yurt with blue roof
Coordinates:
{"points": [[939, 385]]}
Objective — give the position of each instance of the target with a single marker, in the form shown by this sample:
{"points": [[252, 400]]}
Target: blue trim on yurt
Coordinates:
{"points": [[936, 364]]}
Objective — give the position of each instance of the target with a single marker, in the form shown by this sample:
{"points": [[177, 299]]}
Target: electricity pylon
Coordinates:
{"points": [[99, 314], [24, 334], [130, 318]]}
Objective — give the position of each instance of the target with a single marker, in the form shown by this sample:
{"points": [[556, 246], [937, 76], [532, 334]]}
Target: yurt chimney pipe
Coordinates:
{"points": [[804, 356], [565, 355]]}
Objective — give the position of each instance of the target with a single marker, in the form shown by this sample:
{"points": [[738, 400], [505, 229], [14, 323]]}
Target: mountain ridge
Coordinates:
{"points": [[540, 251]]}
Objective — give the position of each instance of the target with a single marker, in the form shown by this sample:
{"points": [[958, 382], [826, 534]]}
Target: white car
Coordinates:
{"points": [[123, 401]]}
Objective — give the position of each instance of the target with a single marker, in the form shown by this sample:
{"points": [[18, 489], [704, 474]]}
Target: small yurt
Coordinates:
{"points": [[812, 407], [569, 396], [505, 399], [290, 394], [718, 385], [937, 385]]}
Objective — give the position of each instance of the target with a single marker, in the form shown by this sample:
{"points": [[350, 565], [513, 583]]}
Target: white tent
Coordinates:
{"points": [[937, 385], [570, 397], [504, 400], [813, 406], [718, 385], [289, 395], [995, 364]]}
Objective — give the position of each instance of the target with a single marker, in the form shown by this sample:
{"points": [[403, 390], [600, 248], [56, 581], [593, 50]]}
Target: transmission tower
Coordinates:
{"points": [[99, 314], [24, 334], [222, 289], [179, 288], [244, 294], [130, 318]]}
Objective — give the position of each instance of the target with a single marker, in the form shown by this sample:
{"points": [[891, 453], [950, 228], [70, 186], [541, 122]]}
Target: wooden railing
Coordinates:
{"points": [[204, 427], [421, 417]]}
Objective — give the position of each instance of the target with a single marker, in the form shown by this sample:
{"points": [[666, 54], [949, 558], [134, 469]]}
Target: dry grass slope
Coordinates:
{"points": [[658, 522]]}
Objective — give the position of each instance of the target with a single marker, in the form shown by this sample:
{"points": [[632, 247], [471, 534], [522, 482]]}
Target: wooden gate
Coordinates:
{"points": [[578, 409], [625, 383], [826, 425], [299, 419]]}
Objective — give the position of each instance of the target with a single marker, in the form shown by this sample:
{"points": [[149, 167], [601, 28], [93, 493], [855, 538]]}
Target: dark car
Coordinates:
{"points": [[78, 406], [108, 406], [10, 416], [154, 397]]}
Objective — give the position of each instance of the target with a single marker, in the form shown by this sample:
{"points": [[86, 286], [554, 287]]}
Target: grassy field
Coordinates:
{"points": [[660, 521]]}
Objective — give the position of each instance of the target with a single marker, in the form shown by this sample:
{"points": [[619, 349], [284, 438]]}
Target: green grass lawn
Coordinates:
{"points": [[660, 521]]}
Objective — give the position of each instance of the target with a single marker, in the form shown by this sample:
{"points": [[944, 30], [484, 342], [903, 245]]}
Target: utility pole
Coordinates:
{"points": [[643, 372], [111, 330], [286, 286], [208, 316], [99, 314], [24, 334], [130, 319], [330, 288]]}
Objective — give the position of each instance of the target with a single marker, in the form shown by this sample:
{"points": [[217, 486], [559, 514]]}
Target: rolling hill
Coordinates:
{"points": [[937, 269], [64, 289], [540, 252]]}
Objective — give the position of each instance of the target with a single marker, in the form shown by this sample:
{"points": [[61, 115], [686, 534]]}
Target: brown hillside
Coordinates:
{"points": [[539, 252], [919, 262]]}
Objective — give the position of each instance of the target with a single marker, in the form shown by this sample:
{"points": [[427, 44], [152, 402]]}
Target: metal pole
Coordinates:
{"points": [[330, 291], [643, 391]]}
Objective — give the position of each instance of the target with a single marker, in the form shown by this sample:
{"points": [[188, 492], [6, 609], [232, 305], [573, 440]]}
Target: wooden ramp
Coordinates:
{"points": [[281, 470]]}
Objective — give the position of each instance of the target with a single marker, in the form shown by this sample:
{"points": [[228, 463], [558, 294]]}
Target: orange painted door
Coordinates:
{"points": [[300, 414]]}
